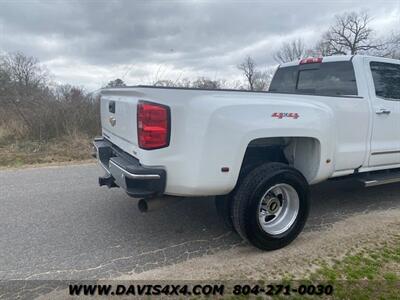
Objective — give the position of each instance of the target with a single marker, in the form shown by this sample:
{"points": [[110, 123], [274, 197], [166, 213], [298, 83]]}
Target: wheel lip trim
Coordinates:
{"points": [[286, 214]]}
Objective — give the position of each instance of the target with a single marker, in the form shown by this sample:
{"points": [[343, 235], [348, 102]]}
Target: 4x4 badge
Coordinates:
{"points": [[281, 115]]}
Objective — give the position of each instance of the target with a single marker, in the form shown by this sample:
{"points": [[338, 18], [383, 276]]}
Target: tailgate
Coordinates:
{"points": [[118, 120]]}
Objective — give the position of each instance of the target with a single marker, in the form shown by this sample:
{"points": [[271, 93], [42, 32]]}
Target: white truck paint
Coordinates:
{"points": [[333, 135]]}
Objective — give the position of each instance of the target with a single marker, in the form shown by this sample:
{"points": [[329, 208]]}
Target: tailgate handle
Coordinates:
{"points": [[111, 107]]}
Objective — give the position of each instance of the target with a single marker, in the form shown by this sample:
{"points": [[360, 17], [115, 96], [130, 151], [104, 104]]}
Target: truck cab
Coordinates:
{"points": [[368, 113]]}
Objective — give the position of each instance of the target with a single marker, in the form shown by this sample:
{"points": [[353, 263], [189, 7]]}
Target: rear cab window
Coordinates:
{"points": [[323, 79]]}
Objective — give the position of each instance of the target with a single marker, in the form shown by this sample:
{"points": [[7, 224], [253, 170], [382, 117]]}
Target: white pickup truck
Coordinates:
{"points": [[257, 152]]}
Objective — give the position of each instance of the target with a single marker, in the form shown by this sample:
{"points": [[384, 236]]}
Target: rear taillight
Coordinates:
{"points": [[153, 125], [311, 60]]}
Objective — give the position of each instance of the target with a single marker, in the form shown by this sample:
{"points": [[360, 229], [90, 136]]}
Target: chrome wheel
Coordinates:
{"points": [[278, 209]]}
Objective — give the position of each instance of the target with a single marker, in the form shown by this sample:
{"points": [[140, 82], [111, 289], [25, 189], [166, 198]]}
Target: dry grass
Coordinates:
{"points": [[16, 153]]}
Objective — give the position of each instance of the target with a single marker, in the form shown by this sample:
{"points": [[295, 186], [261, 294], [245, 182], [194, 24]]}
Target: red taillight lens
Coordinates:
{"points": [[153, 124], [311, 60]]}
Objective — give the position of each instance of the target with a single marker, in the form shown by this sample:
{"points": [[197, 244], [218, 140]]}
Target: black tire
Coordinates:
{"points": [[250, 191], [223, 203]]}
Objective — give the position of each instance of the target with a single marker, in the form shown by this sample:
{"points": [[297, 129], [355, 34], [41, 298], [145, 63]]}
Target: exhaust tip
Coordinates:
{"points": [[143, 206], [152, 204]]}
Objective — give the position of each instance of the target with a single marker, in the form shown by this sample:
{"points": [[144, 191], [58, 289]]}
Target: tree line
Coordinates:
{"points": [[349, 34], [32, 106]]}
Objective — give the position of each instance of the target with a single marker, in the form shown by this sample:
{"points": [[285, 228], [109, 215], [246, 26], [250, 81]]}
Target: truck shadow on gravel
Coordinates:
{"points": [[192, 227], [333, 201]]}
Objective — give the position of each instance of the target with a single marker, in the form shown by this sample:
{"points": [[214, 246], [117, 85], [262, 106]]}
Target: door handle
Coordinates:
{"points": [[383, 111]]}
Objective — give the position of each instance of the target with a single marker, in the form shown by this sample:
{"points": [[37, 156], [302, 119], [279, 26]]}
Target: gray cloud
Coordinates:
{"points": [[89, 42]]}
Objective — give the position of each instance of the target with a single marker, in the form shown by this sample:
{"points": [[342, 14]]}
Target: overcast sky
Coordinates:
{"points": [[89, 43]]}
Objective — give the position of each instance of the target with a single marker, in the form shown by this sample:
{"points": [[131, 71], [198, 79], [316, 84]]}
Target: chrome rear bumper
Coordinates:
{"points": [[125, 171]]}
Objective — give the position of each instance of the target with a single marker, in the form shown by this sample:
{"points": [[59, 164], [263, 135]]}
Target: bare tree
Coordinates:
{"points": [[24, 70], [5, 84], [248, 67], [185, 82], [32, 109], [350, 34], [165, 83], [393, 46], [290, 51], [324, 48], [206, 83], [262, 79], [78, 111], [115, 83], [25, 89], [199, 83]]}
